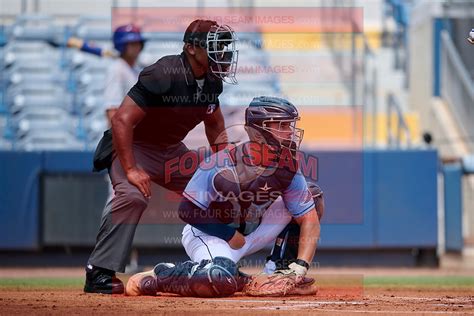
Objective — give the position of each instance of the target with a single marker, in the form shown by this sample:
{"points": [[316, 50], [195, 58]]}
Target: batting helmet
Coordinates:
{"points": [[126, 34], [263, 110], [219, 40]]}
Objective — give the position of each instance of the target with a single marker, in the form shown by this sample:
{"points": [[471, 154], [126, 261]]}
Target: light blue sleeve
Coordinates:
{"points": [[200, 190], [297, 197]]}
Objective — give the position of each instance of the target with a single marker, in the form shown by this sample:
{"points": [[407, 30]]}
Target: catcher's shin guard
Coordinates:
{"points": [[285, 249], [209, 278]]}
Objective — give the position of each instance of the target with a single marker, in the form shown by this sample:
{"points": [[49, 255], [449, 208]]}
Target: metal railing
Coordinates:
{"points": [[402, 132], [399, 10], [357, 69], [457, 87], [369, 93]]}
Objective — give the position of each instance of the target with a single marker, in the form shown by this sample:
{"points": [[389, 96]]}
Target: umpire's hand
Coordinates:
{"points": [[139, 178]]}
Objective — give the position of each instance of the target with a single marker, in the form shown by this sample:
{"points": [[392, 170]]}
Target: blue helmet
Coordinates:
{"points": [[126, 34]]}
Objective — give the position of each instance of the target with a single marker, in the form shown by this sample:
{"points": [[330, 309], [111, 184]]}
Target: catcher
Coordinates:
{"points": [[236, 204]]}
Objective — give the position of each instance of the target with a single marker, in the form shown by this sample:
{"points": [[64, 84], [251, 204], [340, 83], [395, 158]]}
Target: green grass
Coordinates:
{"points": [[424, 282], [43, 283]]}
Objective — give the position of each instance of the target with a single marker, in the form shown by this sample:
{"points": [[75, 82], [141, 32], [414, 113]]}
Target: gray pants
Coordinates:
{"points": [[123, 212]]}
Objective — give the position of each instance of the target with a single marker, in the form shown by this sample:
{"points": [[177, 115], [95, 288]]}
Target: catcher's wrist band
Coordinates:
{"points": [[302, 263]]}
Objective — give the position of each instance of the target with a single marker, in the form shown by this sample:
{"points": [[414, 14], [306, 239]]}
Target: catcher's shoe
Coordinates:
{"points": [[102, 281], [143, 283]]}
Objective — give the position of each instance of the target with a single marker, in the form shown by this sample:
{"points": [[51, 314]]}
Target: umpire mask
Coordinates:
{"points": [[222, 52]]}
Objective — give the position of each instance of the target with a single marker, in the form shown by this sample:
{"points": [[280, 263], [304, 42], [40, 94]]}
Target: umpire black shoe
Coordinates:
{"points": [[102, 281]]}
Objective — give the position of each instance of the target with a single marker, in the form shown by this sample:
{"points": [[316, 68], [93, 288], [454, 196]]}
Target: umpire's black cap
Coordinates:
{"points": [[196, 33]]}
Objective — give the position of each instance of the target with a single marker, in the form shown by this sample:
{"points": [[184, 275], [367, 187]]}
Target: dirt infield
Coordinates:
{"points": [[340, 292]]}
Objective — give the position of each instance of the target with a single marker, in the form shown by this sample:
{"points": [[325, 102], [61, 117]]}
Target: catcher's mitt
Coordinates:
{"points": [[279, 285]]}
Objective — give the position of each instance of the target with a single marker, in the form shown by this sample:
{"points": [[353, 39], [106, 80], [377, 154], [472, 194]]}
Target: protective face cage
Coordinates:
{"points": [[285, 127], [222, 52]]}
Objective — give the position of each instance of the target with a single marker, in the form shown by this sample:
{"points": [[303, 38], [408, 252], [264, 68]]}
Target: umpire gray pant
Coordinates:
{"points": [[123, 212]]}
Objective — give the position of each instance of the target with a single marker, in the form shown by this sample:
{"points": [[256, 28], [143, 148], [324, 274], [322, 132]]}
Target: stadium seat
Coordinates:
{"points": [[155, 49], [46, 89], [31, 52], [94, 127], [88, 104], [34, 27], [93, 28], [49, 140], [32, 95]]}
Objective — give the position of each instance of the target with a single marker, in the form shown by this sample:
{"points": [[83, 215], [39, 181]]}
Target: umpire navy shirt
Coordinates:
{"points": [[168, 93]]}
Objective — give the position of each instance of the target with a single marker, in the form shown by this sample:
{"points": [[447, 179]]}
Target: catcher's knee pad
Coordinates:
{"points": [[216, 278]]}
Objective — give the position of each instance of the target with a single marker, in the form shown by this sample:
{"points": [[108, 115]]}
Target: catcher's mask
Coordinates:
{"points": [[276, 120], [220, 43]]}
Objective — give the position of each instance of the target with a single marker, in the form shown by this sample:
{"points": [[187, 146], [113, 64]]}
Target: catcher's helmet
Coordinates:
{"points": [[264, 110], [126, 34], [219, 40]]}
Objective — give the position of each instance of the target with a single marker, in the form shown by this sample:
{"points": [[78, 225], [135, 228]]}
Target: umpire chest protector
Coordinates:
{"points": [[174, 103]]}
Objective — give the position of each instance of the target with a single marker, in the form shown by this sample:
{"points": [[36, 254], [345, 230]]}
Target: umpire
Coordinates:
{"points": [[170, 98]]}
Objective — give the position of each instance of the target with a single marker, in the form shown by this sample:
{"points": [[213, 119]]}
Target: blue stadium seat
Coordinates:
{"points": [[34, 27], [52, 98], [155, 49], [34, 94], [94, 126], [89, 104], [163, 36], [29, 52], [38, 120], [93, 28], [49, 140]]}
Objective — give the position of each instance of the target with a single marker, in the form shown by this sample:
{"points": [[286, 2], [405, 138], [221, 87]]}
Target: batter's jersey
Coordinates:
{"points": [[120, 78], [225, 181]]}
